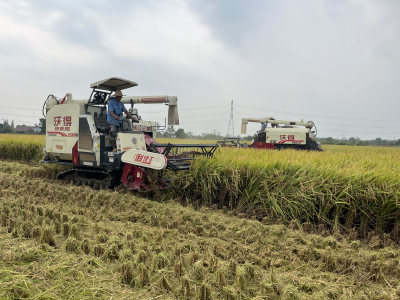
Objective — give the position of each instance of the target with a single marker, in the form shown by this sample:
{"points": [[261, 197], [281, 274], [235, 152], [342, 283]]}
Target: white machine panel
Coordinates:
{"points": [[145, 159]]}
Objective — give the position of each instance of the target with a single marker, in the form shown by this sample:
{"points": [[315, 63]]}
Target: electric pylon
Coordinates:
{"points": [[230, 126]]}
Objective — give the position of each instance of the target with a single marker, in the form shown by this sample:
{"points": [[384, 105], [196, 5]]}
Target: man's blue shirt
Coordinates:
{"points": [[117, 108]]}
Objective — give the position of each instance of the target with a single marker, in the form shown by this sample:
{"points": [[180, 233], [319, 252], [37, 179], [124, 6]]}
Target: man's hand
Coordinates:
{"points": [[114, 115]]}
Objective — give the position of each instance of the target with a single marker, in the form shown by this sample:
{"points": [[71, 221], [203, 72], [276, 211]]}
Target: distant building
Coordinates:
{"points": [[24, 128], [204, 134]]}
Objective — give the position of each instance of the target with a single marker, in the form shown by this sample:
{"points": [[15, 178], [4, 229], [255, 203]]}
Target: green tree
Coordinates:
{"points": [[6, 127], [169, 132], [189, 134], [42, 125], [360, 143], [180, 133], [248, 138], [329, 140]]}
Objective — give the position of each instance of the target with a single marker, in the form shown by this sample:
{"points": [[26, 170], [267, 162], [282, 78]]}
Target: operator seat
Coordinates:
{"points": [[101, 122]]}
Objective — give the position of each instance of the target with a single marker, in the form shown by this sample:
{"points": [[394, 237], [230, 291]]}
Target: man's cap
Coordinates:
{"points": [[117, 93]]}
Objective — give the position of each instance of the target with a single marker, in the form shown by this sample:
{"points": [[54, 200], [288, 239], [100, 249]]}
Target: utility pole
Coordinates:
{"points": [[230, 126]]}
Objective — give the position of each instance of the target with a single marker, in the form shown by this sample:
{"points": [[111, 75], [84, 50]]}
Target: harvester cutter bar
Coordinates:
{"points": [[182, 161]]}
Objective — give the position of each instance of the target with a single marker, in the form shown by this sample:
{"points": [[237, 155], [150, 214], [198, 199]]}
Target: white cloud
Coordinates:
{"points": [[310, 57]]}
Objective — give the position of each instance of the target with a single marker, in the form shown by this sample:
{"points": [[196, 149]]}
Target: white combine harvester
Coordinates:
{"points": [[283, 134], [77, 135]]}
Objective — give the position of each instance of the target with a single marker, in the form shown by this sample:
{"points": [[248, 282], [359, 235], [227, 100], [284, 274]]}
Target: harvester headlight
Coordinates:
{"points": [[134, 140]]}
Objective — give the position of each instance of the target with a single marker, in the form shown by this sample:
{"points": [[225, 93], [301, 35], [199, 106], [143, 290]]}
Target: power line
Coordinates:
{"points": [[21, 115], [364, 132], [242, 106], [21, 121], [213, 120], [319, 123], [220, 120], [335, 124], [183, 109], [142, 108], [20, 108], [319, 116]]}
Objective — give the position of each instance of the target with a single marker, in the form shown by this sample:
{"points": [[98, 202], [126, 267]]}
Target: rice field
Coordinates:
{"points": [[21, 147], [41, 139], [30, 147], [247, 224], [62, 241], [342, 188]]}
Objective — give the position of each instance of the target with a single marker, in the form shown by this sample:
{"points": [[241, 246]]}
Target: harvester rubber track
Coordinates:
{"points": [[95, 178]]}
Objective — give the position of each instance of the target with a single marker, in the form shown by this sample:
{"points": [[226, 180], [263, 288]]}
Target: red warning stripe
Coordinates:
{"points": [[282, 142], [57, 132]]}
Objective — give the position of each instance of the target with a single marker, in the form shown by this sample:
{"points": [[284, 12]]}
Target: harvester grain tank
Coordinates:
{"points": [[283, 134], [77, 135]]}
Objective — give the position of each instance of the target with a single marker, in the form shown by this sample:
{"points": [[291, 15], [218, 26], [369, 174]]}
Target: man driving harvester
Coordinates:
{"points": [[114, 116]]}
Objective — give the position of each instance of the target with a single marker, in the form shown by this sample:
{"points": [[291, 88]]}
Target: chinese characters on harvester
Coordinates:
{"points": [[66, 122], [289, 137], [143, 158]]}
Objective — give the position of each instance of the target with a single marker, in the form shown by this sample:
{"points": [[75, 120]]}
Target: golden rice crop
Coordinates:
{"points": [[343, 187], [23, 138], [21, 147], [30, 147]]}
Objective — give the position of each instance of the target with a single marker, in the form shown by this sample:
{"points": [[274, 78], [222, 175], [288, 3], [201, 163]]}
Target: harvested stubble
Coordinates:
{"points": [[170, 259]]}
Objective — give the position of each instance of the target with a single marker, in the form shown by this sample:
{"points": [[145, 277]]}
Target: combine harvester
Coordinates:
{"points": [[288, 136], [77, 135]]}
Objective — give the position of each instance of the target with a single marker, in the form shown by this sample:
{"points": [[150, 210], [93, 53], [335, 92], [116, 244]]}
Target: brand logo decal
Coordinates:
{"points": [[144, 159]]}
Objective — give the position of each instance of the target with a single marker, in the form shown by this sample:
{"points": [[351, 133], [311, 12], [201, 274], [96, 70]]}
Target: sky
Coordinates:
{"points": [[336, 63]]}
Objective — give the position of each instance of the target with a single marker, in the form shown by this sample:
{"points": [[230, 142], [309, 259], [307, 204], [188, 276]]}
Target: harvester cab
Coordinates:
{"points": [[77, 135], [283, 134]]}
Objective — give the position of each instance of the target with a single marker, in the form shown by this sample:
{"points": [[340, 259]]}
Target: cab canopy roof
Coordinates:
{"points": [[113, 84]]}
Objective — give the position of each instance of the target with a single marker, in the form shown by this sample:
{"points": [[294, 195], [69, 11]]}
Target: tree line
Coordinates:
{"points": [[355, 141]]}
